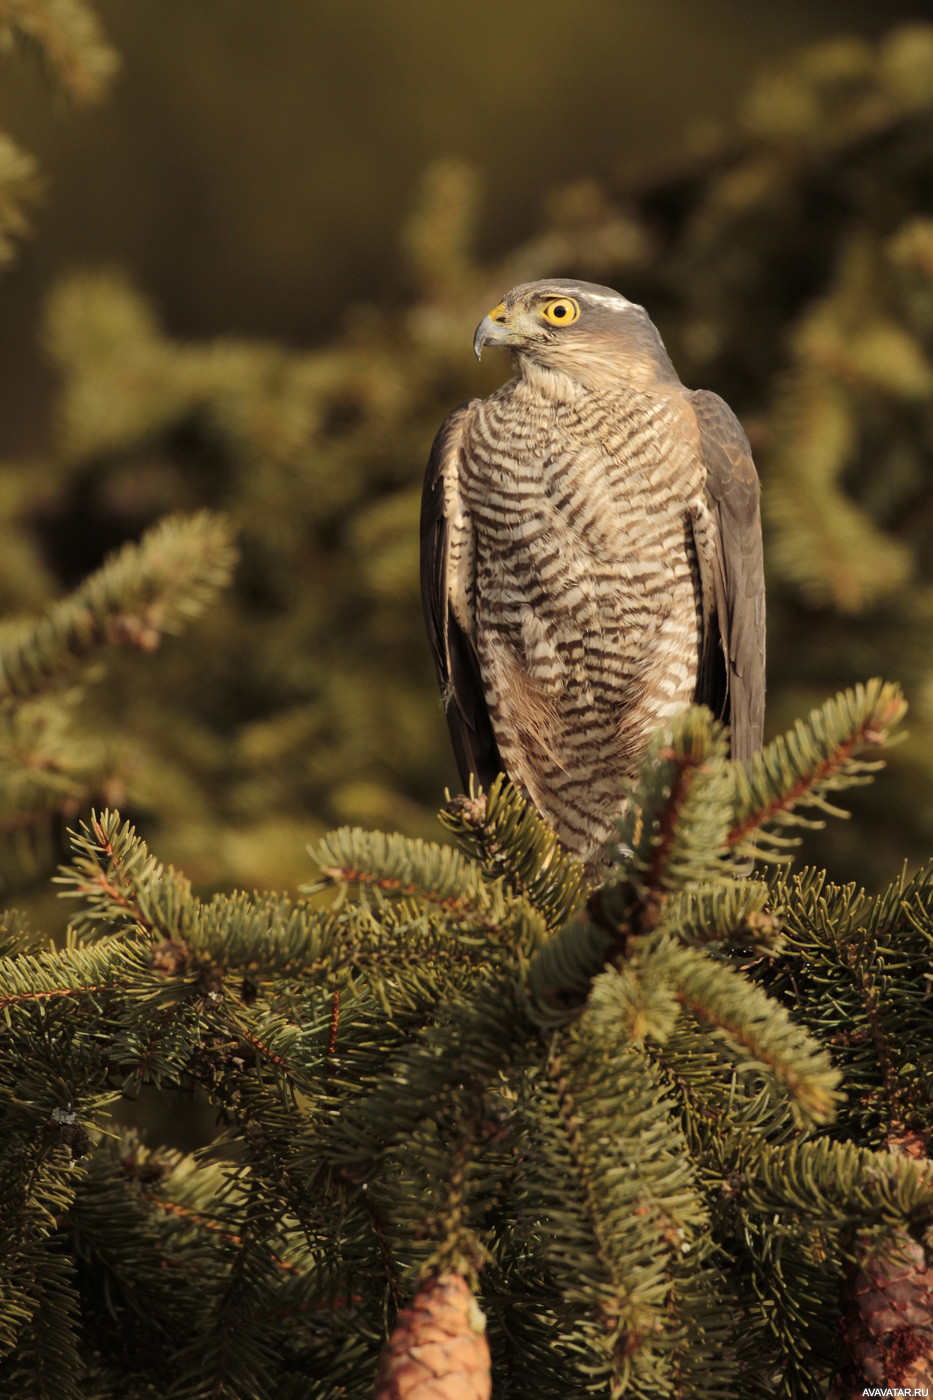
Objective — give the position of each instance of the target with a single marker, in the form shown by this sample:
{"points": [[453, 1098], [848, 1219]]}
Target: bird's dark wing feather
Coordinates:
{"points": [[456, 661], [731, 678]]}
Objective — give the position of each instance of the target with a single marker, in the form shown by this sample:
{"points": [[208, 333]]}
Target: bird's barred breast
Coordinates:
{"points": [[585, 583]]}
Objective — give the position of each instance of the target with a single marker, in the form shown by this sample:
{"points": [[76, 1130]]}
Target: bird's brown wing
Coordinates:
{"points": [[457, 665], [731, 678]]}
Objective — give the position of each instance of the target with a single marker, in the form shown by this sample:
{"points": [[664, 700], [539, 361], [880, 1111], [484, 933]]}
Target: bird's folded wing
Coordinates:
{"points": [[454, 655], [732, 661]]}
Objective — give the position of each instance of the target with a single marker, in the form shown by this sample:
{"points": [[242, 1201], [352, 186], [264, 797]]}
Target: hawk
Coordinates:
{"points": [[591, 558]]}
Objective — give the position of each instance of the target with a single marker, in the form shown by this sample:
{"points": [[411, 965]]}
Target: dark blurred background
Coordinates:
{"points": [[285, 222], [253, 165]]}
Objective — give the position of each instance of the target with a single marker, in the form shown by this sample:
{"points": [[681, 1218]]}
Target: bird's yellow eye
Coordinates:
{"points": [[561, 311]]}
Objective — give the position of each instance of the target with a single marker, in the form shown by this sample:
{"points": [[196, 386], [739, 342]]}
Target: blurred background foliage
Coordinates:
{"points": [[259, 262]]}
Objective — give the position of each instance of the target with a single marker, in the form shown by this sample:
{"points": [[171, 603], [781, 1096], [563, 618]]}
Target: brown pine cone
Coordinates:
{"points": [[887, 1325], [438, 1350]]}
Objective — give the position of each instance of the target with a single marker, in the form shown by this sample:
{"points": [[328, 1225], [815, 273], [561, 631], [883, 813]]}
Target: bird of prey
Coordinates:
{"points": [[590, 557]]}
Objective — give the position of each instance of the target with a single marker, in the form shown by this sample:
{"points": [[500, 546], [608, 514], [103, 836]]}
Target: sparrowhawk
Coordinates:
{"points": [[591, 558]]}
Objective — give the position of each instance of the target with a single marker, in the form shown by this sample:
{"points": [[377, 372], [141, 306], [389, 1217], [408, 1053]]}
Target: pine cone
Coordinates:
{"points": [[438, 1350], [887, 1324]]}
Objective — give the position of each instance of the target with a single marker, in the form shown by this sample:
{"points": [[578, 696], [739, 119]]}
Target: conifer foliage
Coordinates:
{"points": [[495, 1127], [68, 41], [53, 762], [481, 1129]]}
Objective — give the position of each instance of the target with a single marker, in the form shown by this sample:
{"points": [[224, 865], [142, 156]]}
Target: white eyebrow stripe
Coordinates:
{"points": [[619, 300]]}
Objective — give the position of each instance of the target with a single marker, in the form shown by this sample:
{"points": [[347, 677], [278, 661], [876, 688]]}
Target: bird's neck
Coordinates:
{"points": [[586, 374], [546, 382]]}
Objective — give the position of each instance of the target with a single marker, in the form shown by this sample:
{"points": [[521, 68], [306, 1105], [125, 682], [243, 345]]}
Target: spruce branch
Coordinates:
{"points": [[672, 835], [108, 967], [833, 749], [47, 769], [558, 978], [515, 845], [385, 1252], [827, 920], [170, 1243], [714, 1097], [736, 913], [46, 1361], [854, 1217], [17, 934], [122, 885], [234, 1353], [200, 1008], [398, 867], [646, 1004], [138, 595], [460, 1056], [857, 967], [682, 818], [69, 40], [123, 1221], [840, 1182], [262, 938], [652, 1288], [756, 1030]]}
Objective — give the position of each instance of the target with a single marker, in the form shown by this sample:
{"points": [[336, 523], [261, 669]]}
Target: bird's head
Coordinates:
{"points": [[578, 329]]}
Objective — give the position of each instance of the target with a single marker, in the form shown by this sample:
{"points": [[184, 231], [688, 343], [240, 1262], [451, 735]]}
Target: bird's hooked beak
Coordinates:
{"points": [[493, 329]]}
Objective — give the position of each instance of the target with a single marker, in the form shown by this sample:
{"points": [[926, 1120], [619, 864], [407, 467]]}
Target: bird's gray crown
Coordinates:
{"points": [[590, 292]]}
